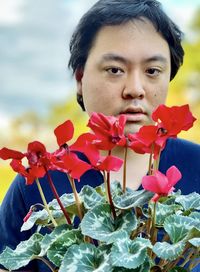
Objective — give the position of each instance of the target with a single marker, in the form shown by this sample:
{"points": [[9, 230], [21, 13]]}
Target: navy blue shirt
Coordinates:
{"points": [[183, 154]]}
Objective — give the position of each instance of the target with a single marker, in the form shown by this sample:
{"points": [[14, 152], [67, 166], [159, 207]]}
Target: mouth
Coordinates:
{"points": [[134, 114]]}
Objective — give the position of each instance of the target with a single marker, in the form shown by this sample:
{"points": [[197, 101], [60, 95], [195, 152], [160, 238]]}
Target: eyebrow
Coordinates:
{"points": [[116, 57]]}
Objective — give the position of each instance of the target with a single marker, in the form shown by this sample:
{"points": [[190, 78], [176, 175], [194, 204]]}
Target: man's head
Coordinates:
{"points": [[117, 15]]}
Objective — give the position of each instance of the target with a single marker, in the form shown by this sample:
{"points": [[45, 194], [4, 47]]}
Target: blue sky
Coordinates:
{"points": [[33, 54]]}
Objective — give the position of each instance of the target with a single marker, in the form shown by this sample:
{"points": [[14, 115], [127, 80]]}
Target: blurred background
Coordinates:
{"points": [[37, 91]]}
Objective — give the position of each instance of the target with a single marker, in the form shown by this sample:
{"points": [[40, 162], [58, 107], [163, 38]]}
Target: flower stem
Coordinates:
{"points": [[150, 160], [188, 257], [195, 262], [106, 186], [46, 262], [108, 192], [153, 228], [45, 202], [124, 169], [110, 196], [76, 196], [58, 198], [156, 162]]}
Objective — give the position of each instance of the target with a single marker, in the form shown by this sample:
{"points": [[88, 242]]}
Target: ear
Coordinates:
{"points": [[78, 77]]}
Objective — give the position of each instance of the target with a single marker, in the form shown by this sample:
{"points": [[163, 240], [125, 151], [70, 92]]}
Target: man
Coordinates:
{"points": [[123, 55]]}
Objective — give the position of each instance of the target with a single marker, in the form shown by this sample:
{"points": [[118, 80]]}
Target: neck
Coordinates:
{"points": [[136, 167]]}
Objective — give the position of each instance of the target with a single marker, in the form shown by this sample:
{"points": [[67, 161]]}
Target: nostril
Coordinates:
{"points": [[130, 94]]}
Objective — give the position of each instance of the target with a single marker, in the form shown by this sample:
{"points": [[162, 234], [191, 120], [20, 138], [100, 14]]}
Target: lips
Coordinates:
{"points": [[134, 114]]}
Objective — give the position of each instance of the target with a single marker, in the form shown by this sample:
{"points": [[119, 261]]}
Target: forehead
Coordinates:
{"points": [[136, 38]]}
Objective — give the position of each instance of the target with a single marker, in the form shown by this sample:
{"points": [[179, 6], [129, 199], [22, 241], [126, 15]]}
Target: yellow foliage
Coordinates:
{"points": [[6, 177]]}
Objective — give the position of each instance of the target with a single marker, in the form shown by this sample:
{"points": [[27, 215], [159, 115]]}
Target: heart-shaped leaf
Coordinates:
{"points": [[98, 223]]}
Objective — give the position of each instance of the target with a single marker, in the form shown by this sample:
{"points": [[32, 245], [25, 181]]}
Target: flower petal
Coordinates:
{"points": [[173, 175], [110, 163], [64, 132], [6, 153], [156, 183]]}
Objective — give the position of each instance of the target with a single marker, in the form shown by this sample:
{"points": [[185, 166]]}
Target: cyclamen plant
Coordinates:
{"points": [[154, 229]]}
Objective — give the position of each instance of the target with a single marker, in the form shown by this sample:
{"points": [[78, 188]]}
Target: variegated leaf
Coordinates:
{"points": [[178, 226], [98, 223], [163, 210], [40, 217], [58, 248], [116, 188], [196, 216], [86, 258], [50, 238], [128, 253], [145, 267], [168, 251], [68, 202], [23, 254], [132, 199], [189, 202], [195, 242], [90, 197]]}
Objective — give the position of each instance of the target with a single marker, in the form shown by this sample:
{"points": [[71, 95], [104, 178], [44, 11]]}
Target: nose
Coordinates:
{"points": [[134, 87]]}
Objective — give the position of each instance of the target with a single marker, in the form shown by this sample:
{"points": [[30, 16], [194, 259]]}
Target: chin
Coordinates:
{"points": [[132, 128]]}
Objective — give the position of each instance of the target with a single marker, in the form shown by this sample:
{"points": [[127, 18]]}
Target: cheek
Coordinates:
{"points": [[159, 97]]}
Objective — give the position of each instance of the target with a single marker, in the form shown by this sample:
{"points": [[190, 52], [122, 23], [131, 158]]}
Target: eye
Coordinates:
{"points": [[153, 72], [114, 70]]}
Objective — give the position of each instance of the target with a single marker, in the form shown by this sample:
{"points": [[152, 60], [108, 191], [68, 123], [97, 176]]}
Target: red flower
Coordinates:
{"points": [[6, 153], [37, 154], [108, 163], [109, 130], [145, 141], [30, 174], [70, 164], [161, 184], [85, 144], [171, 120], [64, 132], [39, 161]]}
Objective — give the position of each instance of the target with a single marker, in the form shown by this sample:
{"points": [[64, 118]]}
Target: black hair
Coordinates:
{"points": [[116, 12]]}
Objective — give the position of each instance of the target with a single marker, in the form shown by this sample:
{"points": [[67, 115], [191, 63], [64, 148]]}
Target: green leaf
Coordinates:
{"points": [[86, 258], [37, 217], [145, 267], [116, 188], [131, 199], [50, 238], [195, 242], [129, 253], [59, 247], [189, 202], [23, 254], [163, 211], [192, 233], [90, 197], [178, 226], [168, 251], [68, 202], [196, 216], [98, 223]]}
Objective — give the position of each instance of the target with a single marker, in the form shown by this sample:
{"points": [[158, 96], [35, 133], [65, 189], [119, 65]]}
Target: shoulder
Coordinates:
{"points": [[185, 155], [182, 144], [181, 149]]}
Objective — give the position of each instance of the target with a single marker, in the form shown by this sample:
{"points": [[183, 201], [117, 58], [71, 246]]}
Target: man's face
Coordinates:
{"points": [[127, 72]]}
